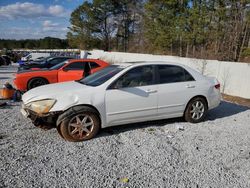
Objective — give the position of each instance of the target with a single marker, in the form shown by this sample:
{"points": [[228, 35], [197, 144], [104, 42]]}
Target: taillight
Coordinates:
{"points": [[217, 86]]}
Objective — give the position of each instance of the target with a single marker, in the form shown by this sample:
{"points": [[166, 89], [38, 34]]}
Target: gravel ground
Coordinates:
{"points": [[169, 153]]}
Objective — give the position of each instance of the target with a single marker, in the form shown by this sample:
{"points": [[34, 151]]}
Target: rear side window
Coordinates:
{"points": [[75, 66], [93, 65], [172, 74], [188, 76]]}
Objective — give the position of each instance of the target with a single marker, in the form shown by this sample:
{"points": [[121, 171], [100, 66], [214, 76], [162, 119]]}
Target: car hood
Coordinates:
{"points": [[60, 91], [32, 70]]}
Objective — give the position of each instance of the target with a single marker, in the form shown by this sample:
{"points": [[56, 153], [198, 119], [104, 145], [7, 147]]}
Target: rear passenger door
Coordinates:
{"points": [[175, 87], [72, 71]]}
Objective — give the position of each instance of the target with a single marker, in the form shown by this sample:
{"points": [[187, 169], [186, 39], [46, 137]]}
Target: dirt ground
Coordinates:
{"points": [[236, 100]]}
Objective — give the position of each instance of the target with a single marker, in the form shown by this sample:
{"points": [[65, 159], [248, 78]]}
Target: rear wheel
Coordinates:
{"points": [[80, 126], [35, 82], [196, 110]]}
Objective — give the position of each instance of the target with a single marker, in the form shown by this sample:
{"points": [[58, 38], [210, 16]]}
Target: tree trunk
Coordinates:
{"points": [[171, 47], [187, 50], [193, 50], [106, 35], [242, 43], [180, 47]]}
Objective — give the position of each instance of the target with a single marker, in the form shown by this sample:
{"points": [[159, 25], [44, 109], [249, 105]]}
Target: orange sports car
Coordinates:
{"points": [[69, 70]]}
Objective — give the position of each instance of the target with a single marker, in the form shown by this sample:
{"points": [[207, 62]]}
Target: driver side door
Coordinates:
{"points": [[132, 97], [72, 71]]}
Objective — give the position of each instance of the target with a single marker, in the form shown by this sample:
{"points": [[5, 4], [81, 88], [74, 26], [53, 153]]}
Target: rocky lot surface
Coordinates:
{"points": [[167, 153]]}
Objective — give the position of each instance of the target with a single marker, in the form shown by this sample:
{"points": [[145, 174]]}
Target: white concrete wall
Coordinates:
{"points": [[234, 77]]}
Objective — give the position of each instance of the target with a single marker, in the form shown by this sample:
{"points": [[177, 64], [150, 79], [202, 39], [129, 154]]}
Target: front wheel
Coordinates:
{"points": [[80, 126], [35, 82], [196, 110]]}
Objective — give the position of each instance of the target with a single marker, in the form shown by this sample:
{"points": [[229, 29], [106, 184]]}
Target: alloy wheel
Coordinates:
{"points": [[197, 110], [80, 126]]}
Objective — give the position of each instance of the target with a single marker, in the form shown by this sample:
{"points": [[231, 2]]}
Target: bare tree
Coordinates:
{"points": [[225, 79]]}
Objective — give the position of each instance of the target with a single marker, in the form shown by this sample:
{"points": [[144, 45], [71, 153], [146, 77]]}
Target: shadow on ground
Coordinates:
{"points": [[141, 125], [226, 109]]}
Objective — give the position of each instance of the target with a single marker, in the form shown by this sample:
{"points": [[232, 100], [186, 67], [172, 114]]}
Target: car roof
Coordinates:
{"points": [[193, 72], [83, 60], [127, 64]]}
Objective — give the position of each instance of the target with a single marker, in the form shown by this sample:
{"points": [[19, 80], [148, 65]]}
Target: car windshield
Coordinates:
{"points": [[101, 76], [58, 66]]}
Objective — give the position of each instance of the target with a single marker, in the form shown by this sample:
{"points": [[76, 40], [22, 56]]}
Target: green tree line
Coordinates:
{"points": [[45, 43], [216, 29]]}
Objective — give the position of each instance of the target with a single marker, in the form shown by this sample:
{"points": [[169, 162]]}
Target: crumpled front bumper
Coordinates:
{"points": [[40, 120]]}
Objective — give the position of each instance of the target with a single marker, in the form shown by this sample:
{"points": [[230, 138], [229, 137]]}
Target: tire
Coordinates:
{"points": [[59, 131], [80, 125], [35, 82], [196, 110]]}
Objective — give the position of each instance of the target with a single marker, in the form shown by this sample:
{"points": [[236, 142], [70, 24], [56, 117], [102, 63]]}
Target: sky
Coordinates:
{"points": [[34, 19]]}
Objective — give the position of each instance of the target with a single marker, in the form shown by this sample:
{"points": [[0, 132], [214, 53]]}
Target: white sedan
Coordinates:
{"points": [[122, 94]]}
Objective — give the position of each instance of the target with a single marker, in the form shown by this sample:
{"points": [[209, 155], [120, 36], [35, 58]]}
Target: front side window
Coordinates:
{"points": [[172, 74], [75, 66], [139, 76]]}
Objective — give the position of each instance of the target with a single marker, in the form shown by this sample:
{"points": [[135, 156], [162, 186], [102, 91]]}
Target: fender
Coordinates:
{"points": [[74, 110]]}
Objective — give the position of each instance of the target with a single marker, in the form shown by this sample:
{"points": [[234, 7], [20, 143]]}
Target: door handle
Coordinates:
{"points": [[190, 86], [151, 91]]}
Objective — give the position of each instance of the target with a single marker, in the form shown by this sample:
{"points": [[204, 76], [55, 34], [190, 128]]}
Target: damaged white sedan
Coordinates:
{"points": [[122, 94]]}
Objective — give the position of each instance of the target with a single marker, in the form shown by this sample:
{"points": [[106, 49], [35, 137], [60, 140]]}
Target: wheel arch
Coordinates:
{"points": [[77, 108], [197, 96], [40, 77]]}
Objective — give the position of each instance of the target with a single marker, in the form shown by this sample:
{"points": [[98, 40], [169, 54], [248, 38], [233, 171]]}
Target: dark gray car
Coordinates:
{"points": [[47, 63]]}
